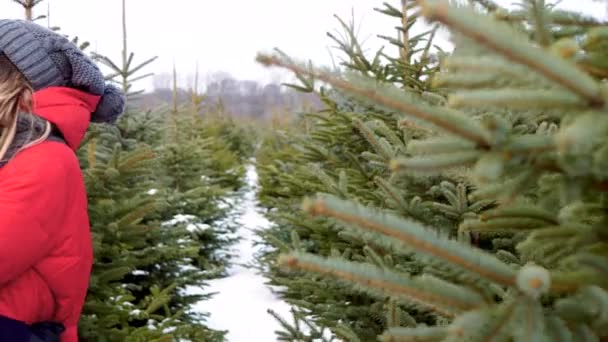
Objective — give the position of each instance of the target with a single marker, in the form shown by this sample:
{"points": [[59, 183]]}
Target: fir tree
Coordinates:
{"points": [[125, 301], [345, 150], [146, 257], [141, 266], [199, 174], [523, 123]]}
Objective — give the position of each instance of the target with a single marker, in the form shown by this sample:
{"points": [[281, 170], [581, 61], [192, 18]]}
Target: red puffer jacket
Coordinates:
{"points": [[45, 245]]}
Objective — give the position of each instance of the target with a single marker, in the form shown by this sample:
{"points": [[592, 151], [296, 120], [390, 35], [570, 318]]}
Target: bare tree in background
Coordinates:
{"points": [[162, 81], [217, 77], [193, 81], [250, 88], [241, 98], [215, 82], [276, 77]]}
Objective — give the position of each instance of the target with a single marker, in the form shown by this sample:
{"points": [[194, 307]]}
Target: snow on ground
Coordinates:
{"points": [[242, 299]]}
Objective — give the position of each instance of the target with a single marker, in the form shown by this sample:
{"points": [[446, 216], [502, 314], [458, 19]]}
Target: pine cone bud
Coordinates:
{"points": [[533, 280]]}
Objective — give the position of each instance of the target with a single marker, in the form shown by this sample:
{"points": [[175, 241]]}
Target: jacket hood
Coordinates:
{"points": [[68, 109]]}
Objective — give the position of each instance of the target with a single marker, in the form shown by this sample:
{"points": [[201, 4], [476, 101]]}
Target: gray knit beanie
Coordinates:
{"points": [[49, 59]]}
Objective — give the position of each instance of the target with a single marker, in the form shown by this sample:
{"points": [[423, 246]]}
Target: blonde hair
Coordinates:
{"points": [[16, 96]]}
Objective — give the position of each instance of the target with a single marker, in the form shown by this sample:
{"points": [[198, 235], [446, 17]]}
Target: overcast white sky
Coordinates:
{"points": [[222, 35]]}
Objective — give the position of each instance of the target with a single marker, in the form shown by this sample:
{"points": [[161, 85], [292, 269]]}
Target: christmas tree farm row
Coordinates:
{"points": [[159, 211], [161, 186]]}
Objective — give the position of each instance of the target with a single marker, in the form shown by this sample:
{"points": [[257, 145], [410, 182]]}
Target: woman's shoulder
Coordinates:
{"points": [[50, 159]]}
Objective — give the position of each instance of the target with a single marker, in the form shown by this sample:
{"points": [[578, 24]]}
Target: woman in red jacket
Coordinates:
{"points": [[49, 93]]}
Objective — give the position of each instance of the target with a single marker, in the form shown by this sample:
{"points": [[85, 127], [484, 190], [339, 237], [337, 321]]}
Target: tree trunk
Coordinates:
{"points": [[29, 5]]}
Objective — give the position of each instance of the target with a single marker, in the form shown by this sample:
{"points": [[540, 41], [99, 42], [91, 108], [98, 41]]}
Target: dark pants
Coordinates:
{"points": [[16, 331]]}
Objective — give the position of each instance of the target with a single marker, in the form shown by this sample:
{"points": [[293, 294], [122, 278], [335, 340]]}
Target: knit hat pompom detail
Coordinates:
{"points": [[48, 59], [111, 105]]}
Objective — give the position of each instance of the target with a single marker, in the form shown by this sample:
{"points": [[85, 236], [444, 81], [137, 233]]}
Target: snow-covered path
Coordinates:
{"points": [[241, 300]]}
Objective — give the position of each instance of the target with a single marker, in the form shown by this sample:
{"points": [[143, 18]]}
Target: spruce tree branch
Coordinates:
{"points": [[450, 121], [463, 80], [418, 334], [405, 38], [517, 99], [498, 225], [436, 162], [529, 144], [559, 17], [489, 5], [392, 193], [442, 144], [372, 139], [382, 128], [434, 293], [425, 54], [570, 282], [415, 236], [601, 185], [521, 212], [486, 68], [540, 21], [502, 322], [500, 38]]}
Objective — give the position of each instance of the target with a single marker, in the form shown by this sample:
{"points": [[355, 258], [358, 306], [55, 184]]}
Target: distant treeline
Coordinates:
{"points": [[239, 98]]}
